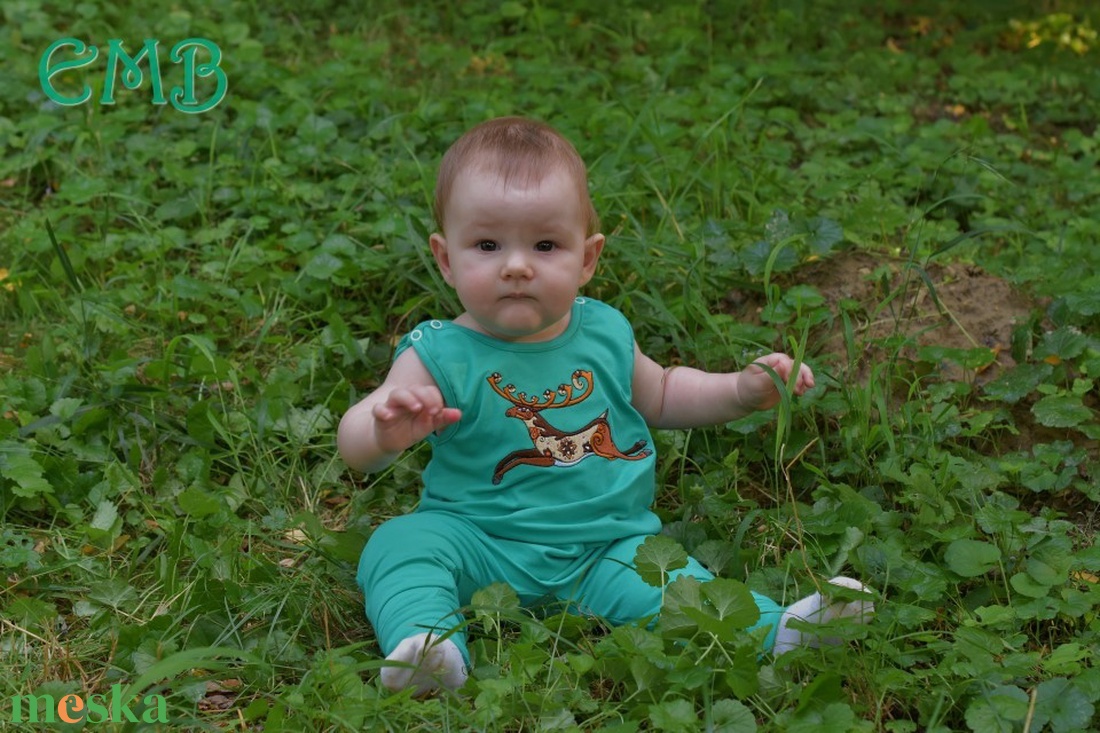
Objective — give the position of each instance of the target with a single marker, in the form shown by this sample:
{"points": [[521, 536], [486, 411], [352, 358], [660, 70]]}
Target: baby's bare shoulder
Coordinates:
{"points": [[407, 371]]}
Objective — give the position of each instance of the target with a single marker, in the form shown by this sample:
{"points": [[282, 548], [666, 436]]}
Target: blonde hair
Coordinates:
{"points": [[513, 147]]}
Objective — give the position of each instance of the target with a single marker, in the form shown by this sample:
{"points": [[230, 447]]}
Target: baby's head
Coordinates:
{"points": [[513, 147]]}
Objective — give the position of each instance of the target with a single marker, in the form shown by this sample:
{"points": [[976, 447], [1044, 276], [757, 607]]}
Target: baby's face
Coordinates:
{"points": [[516, 253]]}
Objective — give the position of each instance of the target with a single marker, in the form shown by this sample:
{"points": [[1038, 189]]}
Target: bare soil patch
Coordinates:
{"points": [[890, 301], [896, 309]]}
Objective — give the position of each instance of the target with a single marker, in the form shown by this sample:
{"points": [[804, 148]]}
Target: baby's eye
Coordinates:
{"points": [[544, 246], [487, 245]]}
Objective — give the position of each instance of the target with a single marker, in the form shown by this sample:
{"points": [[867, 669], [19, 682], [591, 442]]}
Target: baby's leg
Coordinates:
{"points": [[416, 572], [612, 589], [816, 608]]}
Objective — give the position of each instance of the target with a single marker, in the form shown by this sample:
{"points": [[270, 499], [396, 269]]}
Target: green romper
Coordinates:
{"points": [[545, 483]]}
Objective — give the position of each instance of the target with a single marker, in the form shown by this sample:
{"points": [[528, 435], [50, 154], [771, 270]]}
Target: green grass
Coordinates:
{"points": [[190, 303]]}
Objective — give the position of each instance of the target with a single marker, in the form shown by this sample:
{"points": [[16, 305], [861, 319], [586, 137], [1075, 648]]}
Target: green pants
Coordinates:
{"points": [[418, 570]]}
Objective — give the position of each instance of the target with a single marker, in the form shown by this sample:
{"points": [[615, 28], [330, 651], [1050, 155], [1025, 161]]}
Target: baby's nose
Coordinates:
{"points": [[517, 263]]}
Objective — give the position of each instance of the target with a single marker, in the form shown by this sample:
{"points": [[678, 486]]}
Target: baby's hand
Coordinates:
{"points": [[408, 415], [756, 389]]}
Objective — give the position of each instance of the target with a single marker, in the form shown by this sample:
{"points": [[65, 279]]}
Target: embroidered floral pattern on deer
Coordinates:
{"points": [[554, 447]]}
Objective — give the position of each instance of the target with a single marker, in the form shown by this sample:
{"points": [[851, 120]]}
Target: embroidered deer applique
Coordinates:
{"points": [[553, 447]]}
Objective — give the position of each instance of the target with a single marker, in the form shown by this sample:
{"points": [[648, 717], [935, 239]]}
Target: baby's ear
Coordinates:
{"points": [[593, 246], [442, 259]]}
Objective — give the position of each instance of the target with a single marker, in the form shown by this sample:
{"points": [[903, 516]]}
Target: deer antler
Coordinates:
{"points": [[509, 392], [582, 380]]}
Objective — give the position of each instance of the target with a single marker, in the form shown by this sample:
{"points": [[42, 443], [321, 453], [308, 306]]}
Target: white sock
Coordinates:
{"points": [[816, 609], [434, 664]]}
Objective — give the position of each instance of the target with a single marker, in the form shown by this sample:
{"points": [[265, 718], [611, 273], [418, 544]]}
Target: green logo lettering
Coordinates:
{"points": [[98, 708], [131, 75], [119, 708], [46, 71], [161, 709], [183, 98], [185, 52], [32, 708]]}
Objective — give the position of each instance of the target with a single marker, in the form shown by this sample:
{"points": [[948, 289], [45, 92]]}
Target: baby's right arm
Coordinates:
{"points": [[405, 409]]}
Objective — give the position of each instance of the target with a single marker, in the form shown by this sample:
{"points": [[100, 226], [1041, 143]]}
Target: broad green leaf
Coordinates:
{"points": [[779, 227], [967, 358], [1026, 585], [1088, 558], [674, 715], [185, 286], [732, 602], [197, 502], [17, 550], [1061, 705], [997, 711], [106, 515], [30, 611], [493, 603], [339, 245], [303, 425], [1000, 513], [973, 475], [323, 266], [996, 616], [344, 545], [820, 691], [971, 558], [512, 10], [496, 597], [978, 643], [180, 208], [1066, 659], [1065, 343], [757, 254], [1018, 382], [837, 716], [114, 593], [1061, 411], [683, 593], [562, 720], [1053, 571], [732, 716], [743, 672], [1081, 387], [65, 408], [646, 674], [803, 296], [317, 129], [1039, 476], [658, 556], [19, 467], [824, 234], [1086, 302], [709, 623], [199, 422]]}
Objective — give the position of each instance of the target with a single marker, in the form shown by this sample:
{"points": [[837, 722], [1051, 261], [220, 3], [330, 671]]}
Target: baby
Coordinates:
{"points": [[537, 403]]}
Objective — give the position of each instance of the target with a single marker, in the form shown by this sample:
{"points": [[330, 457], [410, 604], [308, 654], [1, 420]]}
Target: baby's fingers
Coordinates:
{"points": [[782, 365], [779, 363], [399, 403], [805, 380]]}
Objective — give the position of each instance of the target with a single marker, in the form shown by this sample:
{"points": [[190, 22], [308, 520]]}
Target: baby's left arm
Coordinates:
{"points": [[683, 397]]}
